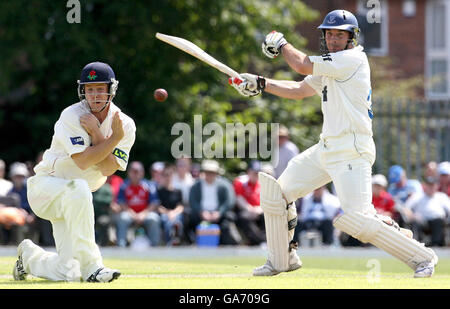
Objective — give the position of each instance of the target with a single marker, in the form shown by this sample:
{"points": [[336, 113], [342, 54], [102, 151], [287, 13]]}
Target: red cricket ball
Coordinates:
{"points": [[160, 95]]}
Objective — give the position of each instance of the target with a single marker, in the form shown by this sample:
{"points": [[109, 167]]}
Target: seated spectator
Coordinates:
{"points": [[250, 217], [429, 212], [400, 187], [182, 178], [18, 174], [12, 219], [431, 169], [102, 200], [319, 208], [210, 201], [170, 208], [381, 200], [156, 172], [5, 185], [444, 177], [138, 199]]}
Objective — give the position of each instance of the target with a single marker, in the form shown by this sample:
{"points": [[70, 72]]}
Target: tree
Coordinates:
{"points": [[42, 56]]}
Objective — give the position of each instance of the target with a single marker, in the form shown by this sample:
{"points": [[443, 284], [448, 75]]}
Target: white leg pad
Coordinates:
{"points": [[369, 228], [279, 221]]}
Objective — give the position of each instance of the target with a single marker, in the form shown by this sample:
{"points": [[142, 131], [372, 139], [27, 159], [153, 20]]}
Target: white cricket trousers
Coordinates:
{"points": [[346, 161], [68, 205]]}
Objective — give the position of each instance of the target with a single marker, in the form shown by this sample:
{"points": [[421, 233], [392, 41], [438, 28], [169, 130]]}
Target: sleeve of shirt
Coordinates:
{"points": [[123, 148], [340, 65], [70, 133], [315, 82]]}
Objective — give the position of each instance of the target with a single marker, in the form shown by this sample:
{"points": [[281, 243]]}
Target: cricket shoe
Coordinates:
{"points": [[268, 269], [19, 272], [104, 274], [424, 270]]}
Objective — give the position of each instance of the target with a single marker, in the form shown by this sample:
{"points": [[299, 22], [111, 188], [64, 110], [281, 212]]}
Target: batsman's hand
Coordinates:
{"points": [[247, 84], [273, 43]]}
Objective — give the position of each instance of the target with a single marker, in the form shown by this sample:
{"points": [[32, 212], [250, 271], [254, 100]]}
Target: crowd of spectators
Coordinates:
{"points": [[167, 207]]}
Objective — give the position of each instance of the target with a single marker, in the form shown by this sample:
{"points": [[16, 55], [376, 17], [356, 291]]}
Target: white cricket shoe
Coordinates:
{"points": [[424, 270], [104, 274], [19, 272], [268, 269]]}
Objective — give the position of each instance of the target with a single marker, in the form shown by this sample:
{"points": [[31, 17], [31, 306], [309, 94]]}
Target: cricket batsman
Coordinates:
{"points": [[344, 154], [92, 139]]}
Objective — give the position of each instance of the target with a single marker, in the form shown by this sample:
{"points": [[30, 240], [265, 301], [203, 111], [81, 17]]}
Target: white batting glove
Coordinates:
{"points": [[273, 43], [247, 84]]}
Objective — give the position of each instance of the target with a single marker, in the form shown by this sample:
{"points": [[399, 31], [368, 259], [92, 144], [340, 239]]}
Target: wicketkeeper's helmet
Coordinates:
{"points": [[98, 72], [340, 20]]}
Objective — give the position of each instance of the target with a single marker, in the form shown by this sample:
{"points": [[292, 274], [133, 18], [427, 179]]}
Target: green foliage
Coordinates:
{"points": [[42, 56]]}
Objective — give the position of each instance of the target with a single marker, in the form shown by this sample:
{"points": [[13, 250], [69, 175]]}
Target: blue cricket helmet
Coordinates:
{"points": [[98, 72], [341, 20]]}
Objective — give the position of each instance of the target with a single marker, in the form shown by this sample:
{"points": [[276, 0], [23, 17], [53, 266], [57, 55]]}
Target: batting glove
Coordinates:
{"points": [[248, 85], [273, 43]]}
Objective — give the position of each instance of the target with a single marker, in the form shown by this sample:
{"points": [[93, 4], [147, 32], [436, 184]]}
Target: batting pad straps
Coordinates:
{"points": [[372, 229]]}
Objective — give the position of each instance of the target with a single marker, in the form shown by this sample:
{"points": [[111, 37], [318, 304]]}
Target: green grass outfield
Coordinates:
{"points": [[234, 272]]}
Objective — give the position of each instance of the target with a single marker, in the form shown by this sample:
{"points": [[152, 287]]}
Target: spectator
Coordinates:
{"points": [[429, 212], [444, 177], [286, 151], [138, 200], [182, 179], [156, 172], [381, 200], [210, 201], [5, 185], [12, 220], [400, 187], [195, 170], [431, 169], [18, 174], [319, 208], [171, 208], [102, 200], [250, 217]]}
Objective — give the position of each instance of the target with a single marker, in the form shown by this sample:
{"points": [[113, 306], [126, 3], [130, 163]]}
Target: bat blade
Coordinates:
{"points": [[197, 52]]}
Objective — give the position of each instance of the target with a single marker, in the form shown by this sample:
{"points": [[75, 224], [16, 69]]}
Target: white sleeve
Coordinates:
{"points": [[123, 148], [315, 82], [339, 65], [70, 133]]}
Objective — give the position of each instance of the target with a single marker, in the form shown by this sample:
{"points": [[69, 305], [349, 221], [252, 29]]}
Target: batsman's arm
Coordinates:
{"points": [[289, 89], [297, 60]]}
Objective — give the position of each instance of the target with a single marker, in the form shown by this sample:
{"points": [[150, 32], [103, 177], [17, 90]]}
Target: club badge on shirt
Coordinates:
{"points": [[78, 140]]}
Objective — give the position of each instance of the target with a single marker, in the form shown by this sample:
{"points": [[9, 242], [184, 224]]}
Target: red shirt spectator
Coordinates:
{"points": [[384, 203], [382, 200], [247, 189], [137, 196]]}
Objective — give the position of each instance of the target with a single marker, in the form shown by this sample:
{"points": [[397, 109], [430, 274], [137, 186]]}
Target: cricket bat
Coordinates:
{"points": [[197, 52]]}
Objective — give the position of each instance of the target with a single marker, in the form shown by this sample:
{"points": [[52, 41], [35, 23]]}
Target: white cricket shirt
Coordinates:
{"points": [[342, 80], [70, 137]]}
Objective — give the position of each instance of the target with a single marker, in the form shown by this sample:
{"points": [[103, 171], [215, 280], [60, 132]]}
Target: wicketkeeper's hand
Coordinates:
{"points": [[273, 43], [247, 84]]}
